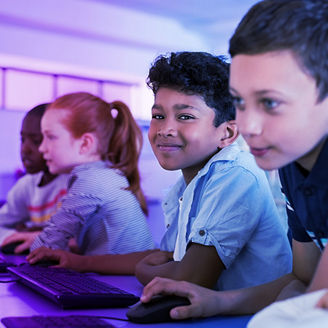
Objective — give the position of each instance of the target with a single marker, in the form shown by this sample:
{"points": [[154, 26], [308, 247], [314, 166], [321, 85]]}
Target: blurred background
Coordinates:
{"points": [[52, 47]]}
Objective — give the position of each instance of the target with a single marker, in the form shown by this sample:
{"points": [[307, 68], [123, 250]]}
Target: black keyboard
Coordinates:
{"points": [[4, 265], [72, 321], [71, 289]]}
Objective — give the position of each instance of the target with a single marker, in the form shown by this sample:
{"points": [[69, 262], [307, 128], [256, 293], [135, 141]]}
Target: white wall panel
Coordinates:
{"points": [[25, 90]]}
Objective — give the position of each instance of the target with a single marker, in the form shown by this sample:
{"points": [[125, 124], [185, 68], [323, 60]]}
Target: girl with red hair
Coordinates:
{"points": [[99, 144]]}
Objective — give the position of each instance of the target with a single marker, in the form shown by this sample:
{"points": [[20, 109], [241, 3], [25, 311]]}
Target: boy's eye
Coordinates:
{"points": [[157, 117], [37, 142], [185, 117], [269, 103], [238, 102], [34, 141]]}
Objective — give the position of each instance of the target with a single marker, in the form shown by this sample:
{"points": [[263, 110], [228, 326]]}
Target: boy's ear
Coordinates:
{"points": [[229, 133], [88, 143]]}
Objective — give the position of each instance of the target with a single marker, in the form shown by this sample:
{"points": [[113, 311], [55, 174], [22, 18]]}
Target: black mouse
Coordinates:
{"points": [[157, 310], [45, 263], [10, 248]]}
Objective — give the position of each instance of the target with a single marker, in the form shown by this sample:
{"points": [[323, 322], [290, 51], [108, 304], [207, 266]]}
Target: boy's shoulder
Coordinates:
{"points": [[232, 164], [232, 157], [25, 186], [30, 179]]}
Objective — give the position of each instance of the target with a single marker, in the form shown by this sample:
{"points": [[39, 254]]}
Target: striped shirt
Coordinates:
{"points": [[99, 212]]}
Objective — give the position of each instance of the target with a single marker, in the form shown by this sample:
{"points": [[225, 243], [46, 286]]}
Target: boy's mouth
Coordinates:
{"points": [[26, 161], [168, 147], [259, 152]]}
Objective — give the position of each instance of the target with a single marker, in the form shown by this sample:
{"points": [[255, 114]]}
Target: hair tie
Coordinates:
{"points": [[113, 110]]}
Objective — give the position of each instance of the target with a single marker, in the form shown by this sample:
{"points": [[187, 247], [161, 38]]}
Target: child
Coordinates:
{"points": [[37, 195], [104, 208], [220, 235], [226, 198], [279, 81]]}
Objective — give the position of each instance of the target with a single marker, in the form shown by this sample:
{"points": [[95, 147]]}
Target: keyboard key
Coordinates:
{"points": [[72, 321], [72, 289]]}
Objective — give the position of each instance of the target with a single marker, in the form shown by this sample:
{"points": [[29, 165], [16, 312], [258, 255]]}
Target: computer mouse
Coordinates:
{"points": [[157, 310], [10, 248], [46, 263]]}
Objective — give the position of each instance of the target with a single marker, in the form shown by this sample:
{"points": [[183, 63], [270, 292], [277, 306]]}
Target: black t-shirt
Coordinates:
{"points": [[307, 199]]}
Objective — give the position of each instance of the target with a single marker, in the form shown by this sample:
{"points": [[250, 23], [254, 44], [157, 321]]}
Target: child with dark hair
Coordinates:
{"points": [[279, 83], [37, 195], [220, 216], [104, 209]]}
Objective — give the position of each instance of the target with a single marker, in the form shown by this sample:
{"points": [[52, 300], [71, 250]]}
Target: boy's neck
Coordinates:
{"points": [[308, 161], [47, 177], [191, 172]]}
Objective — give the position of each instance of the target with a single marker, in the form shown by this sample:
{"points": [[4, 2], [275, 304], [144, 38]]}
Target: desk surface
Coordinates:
{"points": [[19, 300]]}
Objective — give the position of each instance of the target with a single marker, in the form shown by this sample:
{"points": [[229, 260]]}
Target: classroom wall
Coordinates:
{"points": [[90, 42], [87, 39], [90, 34]]}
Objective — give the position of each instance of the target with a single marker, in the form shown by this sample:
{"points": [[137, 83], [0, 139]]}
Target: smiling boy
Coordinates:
{"points": [[220, 216], [279, 82]]}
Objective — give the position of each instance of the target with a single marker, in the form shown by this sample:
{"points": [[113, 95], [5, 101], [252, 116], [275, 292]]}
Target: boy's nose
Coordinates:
{"points": [[166, 131], [25, 148], [248, 124], [167, 128]]}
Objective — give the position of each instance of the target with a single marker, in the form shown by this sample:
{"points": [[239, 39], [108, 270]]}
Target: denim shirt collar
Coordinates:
{"points": [[171, 201]]}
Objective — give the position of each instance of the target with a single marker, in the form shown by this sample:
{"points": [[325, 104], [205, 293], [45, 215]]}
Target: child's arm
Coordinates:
{"points": [[320, 279], [15, 210], [246, 300], [68, 221], [206, 302], [323, 302], [104, 264], [200, 265], [306, 256]]}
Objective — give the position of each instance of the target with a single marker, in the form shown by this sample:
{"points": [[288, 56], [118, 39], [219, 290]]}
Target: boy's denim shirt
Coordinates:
{"points": [[229, 205], [100, 213]]}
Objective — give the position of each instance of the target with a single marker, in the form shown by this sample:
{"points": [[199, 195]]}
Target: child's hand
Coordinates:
{"points": [[26, 239], [158, 258], [65, 259], [155, 264], [323, 302], [204, 302]]}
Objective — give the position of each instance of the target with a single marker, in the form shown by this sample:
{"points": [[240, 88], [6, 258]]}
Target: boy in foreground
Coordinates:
{"points": [[279, 82], [220, 216]]}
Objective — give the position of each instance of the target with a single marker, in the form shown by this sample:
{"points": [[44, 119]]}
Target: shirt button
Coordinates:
{"points": [[308, 191], [319, 234], [201, 232]]}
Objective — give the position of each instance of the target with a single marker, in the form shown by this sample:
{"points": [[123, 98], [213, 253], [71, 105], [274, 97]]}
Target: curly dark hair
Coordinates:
{"points": [[300, 26], [195, 73]]}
